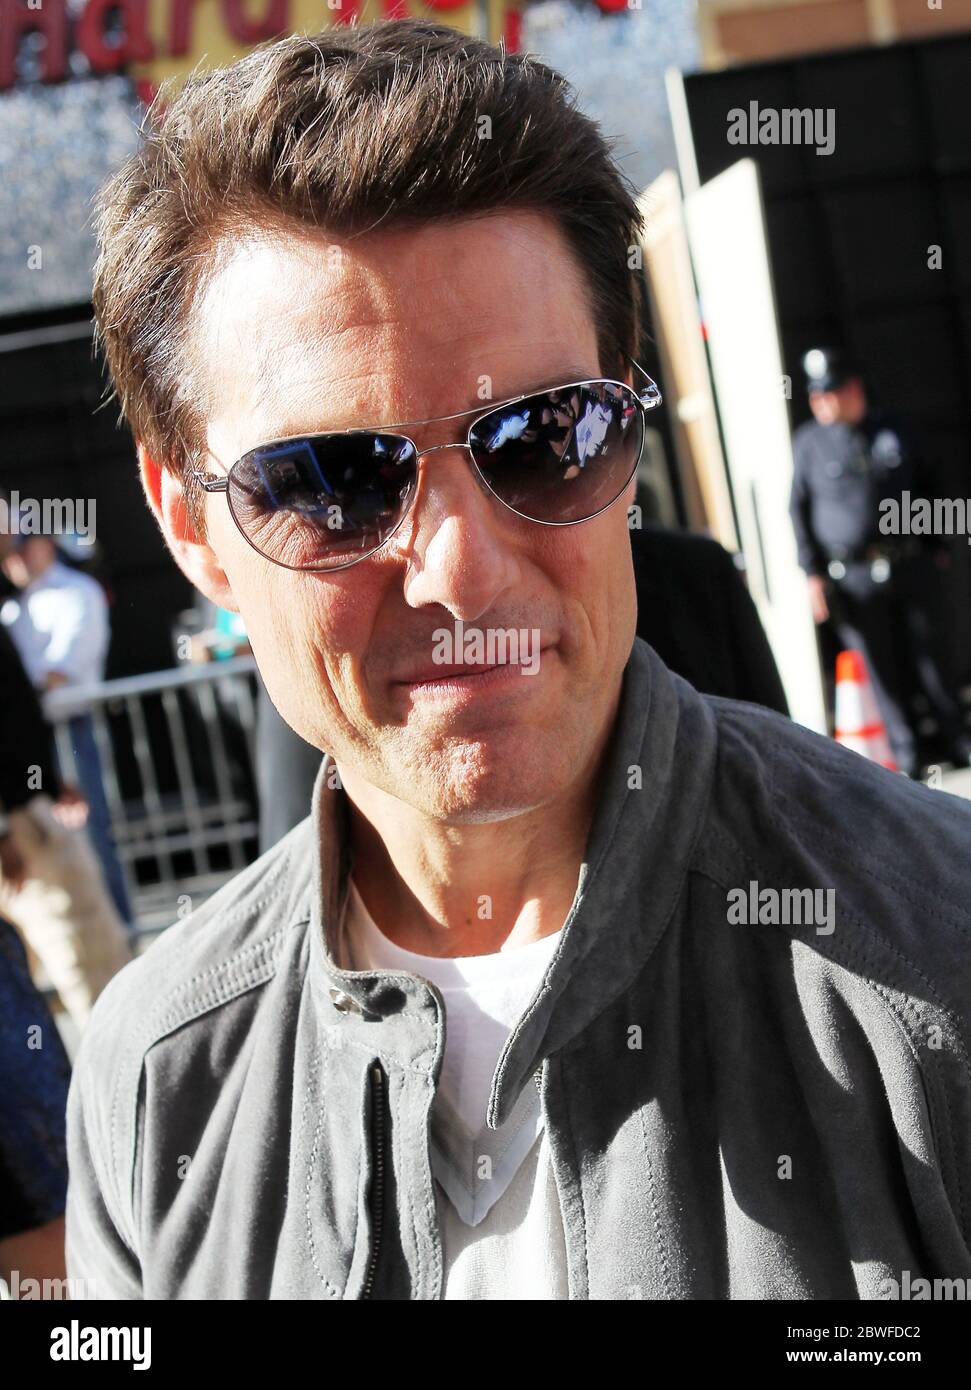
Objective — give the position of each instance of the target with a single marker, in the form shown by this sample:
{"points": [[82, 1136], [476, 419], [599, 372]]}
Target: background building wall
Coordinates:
{"points": [[745, 31]]}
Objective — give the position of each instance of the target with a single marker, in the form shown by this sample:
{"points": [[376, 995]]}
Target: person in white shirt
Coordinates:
{"points": [[58, 621]]}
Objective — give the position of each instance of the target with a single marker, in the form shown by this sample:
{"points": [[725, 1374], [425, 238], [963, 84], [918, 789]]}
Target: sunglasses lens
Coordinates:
{"points": [[322, 501], [561, 456]]}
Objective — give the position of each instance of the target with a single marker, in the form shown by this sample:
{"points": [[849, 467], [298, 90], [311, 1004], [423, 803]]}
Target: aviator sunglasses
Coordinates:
{"points": [[325, 501]]}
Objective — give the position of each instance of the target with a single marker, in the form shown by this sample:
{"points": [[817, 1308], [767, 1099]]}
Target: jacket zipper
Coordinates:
{"points": [[377, 1180], [376, 1076]]}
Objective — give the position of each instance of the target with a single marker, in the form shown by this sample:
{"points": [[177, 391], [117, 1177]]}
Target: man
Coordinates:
{"points": [[58, 620], [875, 588], [487, 1024]]}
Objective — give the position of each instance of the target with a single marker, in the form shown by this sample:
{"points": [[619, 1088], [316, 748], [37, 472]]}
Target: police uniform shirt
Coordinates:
{"points": [[841, 473]]}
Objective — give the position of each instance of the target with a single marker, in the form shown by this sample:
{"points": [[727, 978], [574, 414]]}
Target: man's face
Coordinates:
{"points": [[845, 403], [305, 336], [27, 559]]}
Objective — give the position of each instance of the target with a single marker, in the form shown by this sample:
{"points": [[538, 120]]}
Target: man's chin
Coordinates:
{"points": [[487, 779]]}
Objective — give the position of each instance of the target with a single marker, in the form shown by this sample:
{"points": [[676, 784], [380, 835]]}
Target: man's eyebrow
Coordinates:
{"points": [[549, 383], [297, 426]]}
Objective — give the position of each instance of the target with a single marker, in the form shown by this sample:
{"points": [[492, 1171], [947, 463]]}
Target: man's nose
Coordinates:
{"points": [[458, 547]]}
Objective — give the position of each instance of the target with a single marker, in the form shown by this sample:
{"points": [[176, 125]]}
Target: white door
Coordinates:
{"points": [[726, 232]]}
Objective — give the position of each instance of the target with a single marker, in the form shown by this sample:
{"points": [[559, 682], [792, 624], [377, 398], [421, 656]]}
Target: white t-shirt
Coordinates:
{"points": [[498, 1208]]}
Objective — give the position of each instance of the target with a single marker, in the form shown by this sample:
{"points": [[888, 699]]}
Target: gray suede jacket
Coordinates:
{"points": [[738, 1105]]}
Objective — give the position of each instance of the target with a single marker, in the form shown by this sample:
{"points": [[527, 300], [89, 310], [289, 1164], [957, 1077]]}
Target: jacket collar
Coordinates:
{"points": [[655, 784]]}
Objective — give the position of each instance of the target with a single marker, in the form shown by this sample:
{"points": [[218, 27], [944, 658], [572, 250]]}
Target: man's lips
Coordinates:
{"points": [[431, 672], [443, 673]]}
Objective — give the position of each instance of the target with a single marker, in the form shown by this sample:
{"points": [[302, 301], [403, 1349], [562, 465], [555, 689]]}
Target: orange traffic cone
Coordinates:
{"points": [[859, 723]]}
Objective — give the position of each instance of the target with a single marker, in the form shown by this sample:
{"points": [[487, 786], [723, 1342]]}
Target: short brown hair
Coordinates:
{"points": [[338, 131]]}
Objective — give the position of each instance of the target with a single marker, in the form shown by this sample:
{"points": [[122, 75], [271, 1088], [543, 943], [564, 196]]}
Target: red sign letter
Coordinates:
{"points": [[180, 20], [135, 47], [15, 21], [247, 30]]}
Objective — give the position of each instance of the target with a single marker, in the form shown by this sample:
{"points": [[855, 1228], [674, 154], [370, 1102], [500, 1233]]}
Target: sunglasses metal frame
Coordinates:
{"points": [[648, 399]]}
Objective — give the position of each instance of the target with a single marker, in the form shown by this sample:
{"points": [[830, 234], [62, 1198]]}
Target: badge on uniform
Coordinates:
{"points": [[886, 448]]}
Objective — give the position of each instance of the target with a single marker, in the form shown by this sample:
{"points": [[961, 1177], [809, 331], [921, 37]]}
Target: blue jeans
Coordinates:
{"points": [[88, 763]]}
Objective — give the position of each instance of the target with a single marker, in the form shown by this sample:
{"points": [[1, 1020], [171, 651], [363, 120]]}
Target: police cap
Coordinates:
{"points": [[827, 368]]}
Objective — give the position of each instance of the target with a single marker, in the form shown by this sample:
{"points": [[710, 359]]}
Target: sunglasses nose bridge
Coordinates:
{"points": [[434, 448], [423, 453]]}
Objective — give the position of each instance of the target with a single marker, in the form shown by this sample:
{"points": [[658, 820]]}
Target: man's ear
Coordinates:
{"points": [[194, 557]]}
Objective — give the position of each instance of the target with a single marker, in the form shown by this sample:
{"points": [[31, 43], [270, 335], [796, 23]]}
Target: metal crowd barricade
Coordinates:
{"points": [[177, 752]]}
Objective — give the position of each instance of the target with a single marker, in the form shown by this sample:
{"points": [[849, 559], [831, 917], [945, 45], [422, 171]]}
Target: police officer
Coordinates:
{"points": [[873, 587]]}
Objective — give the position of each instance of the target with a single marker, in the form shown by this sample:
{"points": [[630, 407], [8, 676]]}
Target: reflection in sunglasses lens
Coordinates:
{"points": [[322, 501], [319, 501], [564, 455]]}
